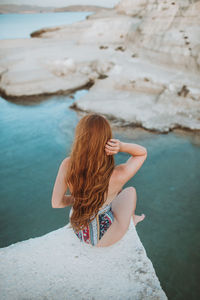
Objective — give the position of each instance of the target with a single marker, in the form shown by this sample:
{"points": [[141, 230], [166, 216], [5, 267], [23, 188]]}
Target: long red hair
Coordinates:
{"points": [[90, 169]]}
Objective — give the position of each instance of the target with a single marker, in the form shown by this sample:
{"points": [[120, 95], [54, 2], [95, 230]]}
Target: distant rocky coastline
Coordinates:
{"points": [[140, 60], [14, 8]]}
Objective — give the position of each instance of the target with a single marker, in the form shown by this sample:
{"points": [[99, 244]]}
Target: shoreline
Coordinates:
{"points": [[125, 82], [122, 124]]}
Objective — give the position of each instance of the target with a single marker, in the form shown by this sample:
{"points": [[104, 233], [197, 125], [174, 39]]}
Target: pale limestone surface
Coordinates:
{"points": [[142, 58], [169, 33], [58, 266], [145, 100]]}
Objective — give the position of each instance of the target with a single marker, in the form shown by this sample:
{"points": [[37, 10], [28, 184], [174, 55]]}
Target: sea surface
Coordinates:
{"points": [[35, 137], [13, 26]]}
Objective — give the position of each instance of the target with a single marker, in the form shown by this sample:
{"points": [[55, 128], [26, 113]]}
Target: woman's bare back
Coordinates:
{"points": [[114, 187]]}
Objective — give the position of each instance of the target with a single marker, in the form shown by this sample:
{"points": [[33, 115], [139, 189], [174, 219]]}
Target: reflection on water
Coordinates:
{"points": [[35, 139]]}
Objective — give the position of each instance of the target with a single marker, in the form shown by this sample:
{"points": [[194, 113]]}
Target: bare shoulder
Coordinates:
{"points": [[65, 161], [116, 175], [119, 176], [64, 164], [125, 171], [118, 171]]}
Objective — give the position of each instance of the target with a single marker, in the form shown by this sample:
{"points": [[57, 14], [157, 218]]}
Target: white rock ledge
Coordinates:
{"points": [[58, 266]]}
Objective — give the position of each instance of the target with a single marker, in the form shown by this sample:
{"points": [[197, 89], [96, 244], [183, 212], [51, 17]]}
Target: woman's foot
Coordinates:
{"points": [[137, 219]]}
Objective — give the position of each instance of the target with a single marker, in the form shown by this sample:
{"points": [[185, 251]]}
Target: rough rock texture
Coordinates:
{"points": [[169, 33], [58, 266], [142, 58], [145, 100], [132, 7]]}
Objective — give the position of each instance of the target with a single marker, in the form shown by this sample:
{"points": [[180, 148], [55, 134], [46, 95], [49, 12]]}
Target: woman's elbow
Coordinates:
{"points": [[145, 153], [53, 203]]}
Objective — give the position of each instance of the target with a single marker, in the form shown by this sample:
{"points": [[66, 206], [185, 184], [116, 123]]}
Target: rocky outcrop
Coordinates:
{"points": [[168, 33], [141, 59], [58, 266], [143, 102], [132, 7]]}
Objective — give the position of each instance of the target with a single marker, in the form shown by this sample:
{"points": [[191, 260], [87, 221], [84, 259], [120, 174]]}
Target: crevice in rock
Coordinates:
{"points": [[102, 76], [103, 47], [184, 91], [39, 33], [120, 48]]}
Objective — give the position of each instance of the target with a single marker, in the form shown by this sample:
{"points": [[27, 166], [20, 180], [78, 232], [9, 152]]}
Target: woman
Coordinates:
{"points": [[101, 210]]}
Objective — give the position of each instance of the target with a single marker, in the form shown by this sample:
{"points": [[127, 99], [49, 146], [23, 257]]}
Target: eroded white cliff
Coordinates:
{"points": [[58, 266]]}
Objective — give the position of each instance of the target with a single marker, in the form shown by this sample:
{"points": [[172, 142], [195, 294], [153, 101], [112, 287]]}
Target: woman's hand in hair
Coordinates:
{"points": [[112, 147]]}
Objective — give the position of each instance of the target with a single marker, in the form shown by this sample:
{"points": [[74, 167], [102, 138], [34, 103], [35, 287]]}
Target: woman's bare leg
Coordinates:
{"points": [[123, 207]]}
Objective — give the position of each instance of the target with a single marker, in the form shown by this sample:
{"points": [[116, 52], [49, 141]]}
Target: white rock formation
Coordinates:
{"points": [[169, 32], [132, 7], [58, 266], [145, 100], [143, 59], [62, 67]]}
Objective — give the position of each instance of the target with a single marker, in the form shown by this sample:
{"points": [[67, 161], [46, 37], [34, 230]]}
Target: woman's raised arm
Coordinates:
{"points": [[133, 164]]}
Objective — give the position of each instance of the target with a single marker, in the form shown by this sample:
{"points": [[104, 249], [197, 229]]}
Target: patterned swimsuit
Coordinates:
{"points": [[97, 227]]}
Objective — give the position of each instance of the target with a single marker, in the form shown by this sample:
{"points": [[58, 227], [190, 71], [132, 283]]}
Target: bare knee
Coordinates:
{"points": [[124, 206], [131, 190], [131, 193], [131, 198]]}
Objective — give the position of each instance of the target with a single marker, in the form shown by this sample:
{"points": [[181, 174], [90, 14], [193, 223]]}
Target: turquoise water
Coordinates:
{"points": [[168, 193], [35, 138], [21, 25]]}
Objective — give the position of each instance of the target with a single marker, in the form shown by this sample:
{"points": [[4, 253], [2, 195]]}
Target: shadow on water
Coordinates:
{"points": [[34, 140]]}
